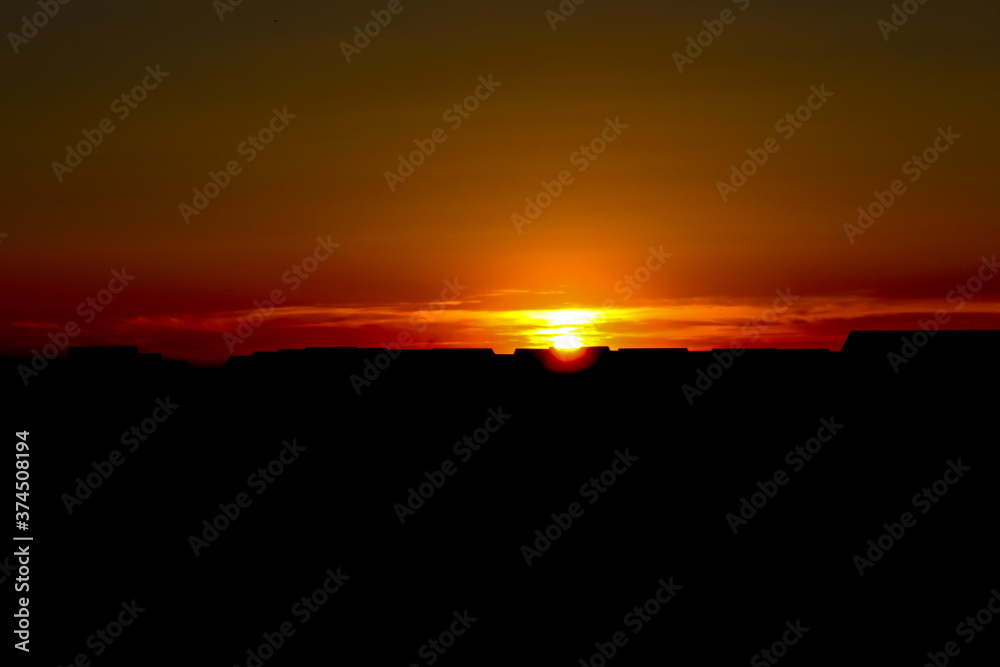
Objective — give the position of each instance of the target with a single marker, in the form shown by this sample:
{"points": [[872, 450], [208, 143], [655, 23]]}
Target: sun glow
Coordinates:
{"points": [[567, 342], [561, 329]]}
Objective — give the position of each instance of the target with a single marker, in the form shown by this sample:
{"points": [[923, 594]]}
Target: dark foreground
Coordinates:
{"points": [[472, 509]]}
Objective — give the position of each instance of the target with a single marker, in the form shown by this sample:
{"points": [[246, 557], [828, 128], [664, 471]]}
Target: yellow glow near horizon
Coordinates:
{"points": [[562, 329], [567, 342], [566, 317]]}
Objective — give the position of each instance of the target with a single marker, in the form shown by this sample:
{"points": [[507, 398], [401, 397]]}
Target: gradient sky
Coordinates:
{"points": [[323, 176]]}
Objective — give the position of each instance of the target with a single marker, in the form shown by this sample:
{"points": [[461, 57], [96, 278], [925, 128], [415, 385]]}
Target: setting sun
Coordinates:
{"points": [[567, 342], [560, 329]]}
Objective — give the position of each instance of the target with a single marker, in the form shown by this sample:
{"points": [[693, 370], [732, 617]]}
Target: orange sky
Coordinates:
{"points": [[656, 185]]}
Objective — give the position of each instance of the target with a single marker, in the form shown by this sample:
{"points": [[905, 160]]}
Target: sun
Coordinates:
{"points": [[564, 341], [567, 342], [565, 330]]}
